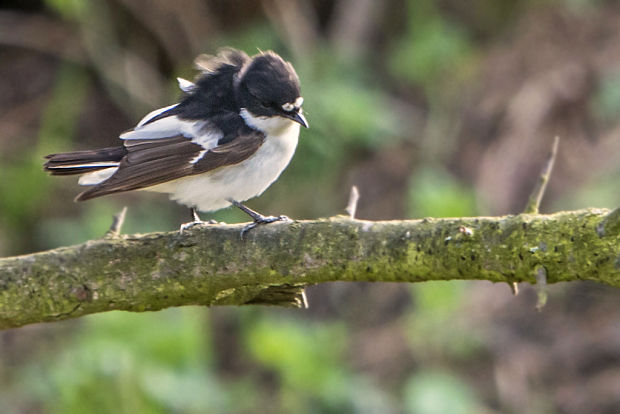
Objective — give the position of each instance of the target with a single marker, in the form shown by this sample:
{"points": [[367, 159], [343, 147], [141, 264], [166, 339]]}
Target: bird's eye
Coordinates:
{"points": [[265, 104]]}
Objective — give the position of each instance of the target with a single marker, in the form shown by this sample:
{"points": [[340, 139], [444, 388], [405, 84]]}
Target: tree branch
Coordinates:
{"points": [[210, 265]]}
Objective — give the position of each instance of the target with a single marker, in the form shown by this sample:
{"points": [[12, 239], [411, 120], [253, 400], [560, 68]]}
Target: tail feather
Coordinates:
{"points": [[80, 162]]}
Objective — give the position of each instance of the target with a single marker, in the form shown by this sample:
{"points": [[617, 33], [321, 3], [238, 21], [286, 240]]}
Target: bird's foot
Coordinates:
{"points": [[257, 217], [187, 226], [195, 221], [260, 219]]}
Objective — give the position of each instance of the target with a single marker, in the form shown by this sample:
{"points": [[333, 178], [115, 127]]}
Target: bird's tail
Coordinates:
{"points": [[81, 162], [95, 165]]}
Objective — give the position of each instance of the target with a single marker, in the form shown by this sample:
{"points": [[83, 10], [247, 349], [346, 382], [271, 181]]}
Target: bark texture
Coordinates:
{"points": [[211, 265]]}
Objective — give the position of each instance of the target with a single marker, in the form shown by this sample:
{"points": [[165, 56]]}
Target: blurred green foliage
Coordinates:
{"points": [[69, 9], [436, 327], [311, 375], [600, 190], [434, 52], [23, 188], [436, 392], [166, 362], [606, 102], [120, 362], [433, 192], [252, 39], [96, 218]]}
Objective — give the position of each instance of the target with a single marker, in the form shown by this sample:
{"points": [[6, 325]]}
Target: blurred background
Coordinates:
{"points": [[432, 108]]}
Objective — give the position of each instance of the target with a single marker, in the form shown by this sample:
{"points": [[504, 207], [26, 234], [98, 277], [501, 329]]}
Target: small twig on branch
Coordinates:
{"points": [[117, 224], [537, 194], [533, 203], [541, 288], [514, 287], [354, 197]]}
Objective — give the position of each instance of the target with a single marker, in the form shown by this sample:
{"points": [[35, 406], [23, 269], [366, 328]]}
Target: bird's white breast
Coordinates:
{"points": [[210, 191]]}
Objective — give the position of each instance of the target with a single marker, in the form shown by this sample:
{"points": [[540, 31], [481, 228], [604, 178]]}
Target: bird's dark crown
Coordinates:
{"points": [[264, 85], [267, 84]]}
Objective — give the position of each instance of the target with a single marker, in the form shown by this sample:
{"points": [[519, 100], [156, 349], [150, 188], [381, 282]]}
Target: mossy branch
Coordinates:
{"points": [[211, 265]]}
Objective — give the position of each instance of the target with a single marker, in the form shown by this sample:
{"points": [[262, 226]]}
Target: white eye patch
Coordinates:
{"points": [[295, 105]]}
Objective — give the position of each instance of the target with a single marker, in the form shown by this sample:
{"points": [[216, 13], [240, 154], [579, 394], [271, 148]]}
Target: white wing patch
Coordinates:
{"points": [[153, 114], [198, 132], [198, 157], [186, 86], [164, 128], [97, 177], [207, 137]]}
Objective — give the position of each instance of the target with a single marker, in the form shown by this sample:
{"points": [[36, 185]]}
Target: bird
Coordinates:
{"points": [[226, 141]]}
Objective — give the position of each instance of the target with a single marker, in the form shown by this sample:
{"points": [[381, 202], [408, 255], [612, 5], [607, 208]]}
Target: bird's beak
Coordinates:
{"points": [[299, 118]]}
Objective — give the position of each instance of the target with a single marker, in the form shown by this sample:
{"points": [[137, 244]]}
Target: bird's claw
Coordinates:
{"points": [[187, 226], [271, 219], [260, 219]]}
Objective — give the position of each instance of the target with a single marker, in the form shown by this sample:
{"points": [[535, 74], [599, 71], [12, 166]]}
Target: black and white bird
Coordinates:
{"points": [[226, 141]]}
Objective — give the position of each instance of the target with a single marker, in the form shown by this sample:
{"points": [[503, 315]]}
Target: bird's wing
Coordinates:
{"points": [[170, 148]]}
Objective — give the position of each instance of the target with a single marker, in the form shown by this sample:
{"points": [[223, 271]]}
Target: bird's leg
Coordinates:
{"points": [[257, 217], [195, 216], [195, 221]]}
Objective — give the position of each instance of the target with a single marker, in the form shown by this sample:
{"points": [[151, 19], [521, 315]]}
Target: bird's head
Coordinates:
{"points": [[269, 88]]}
